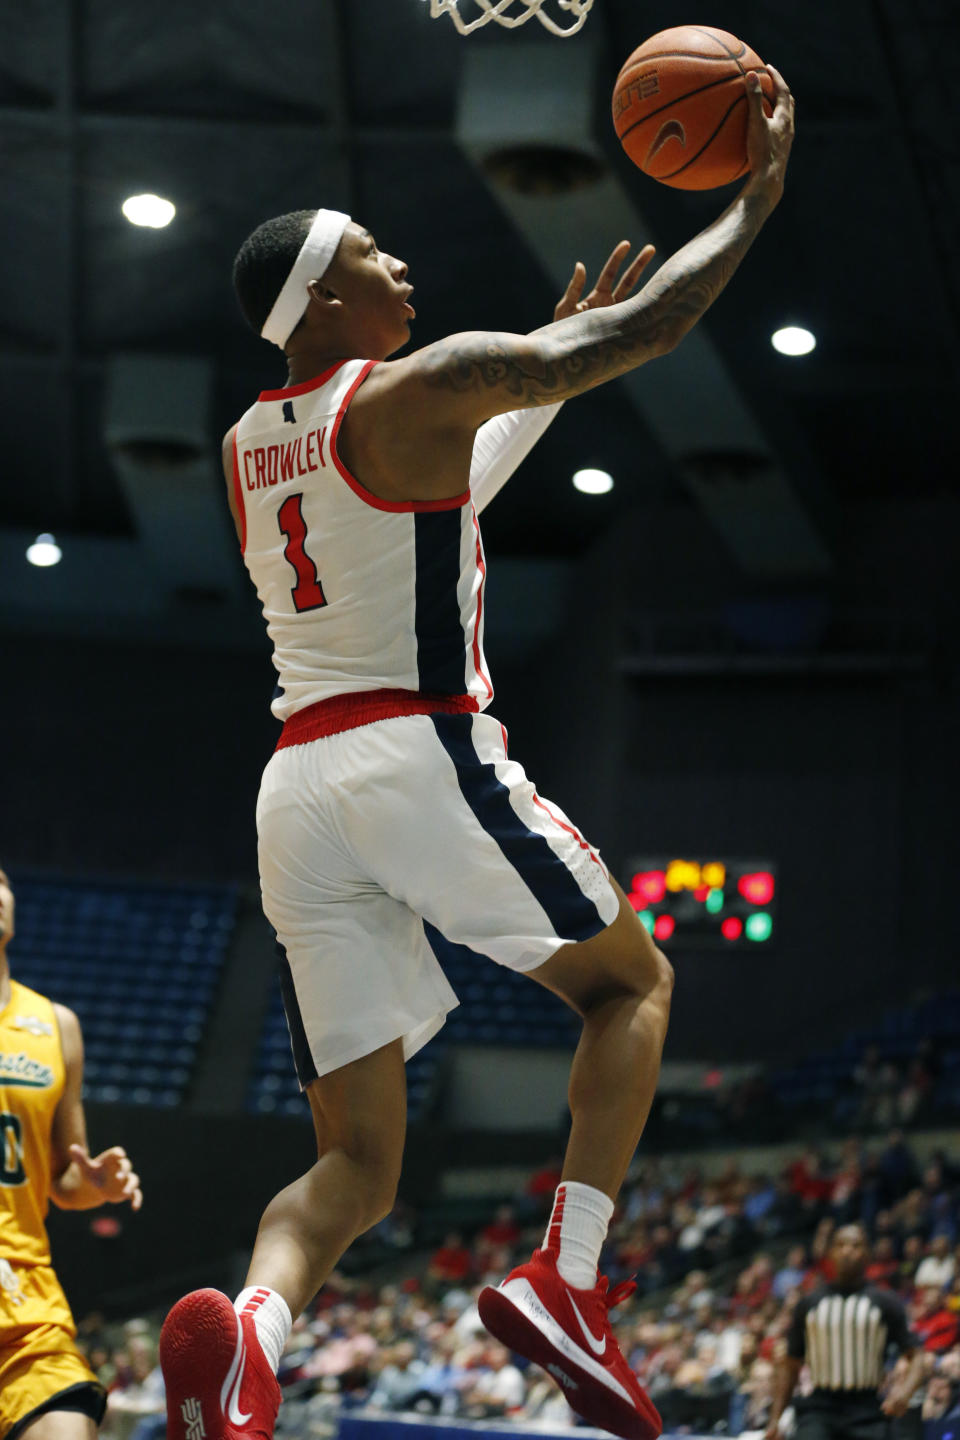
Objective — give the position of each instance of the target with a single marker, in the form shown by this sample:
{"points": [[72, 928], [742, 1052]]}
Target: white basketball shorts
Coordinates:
{"points": [[367, 834]]}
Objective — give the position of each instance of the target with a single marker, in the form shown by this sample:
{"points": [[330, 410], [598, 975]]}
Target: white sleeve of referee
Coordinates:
{"points": [[499, 447]]}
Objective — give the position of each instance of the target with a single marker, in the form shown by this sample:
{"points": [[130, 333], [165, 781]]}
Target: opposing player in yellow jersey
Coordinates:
{"points": [[47, 1389]]}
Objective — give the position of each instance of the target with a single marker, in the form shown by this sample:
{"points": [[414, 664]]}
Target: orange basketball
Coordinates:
{"points": [[680, 106]]}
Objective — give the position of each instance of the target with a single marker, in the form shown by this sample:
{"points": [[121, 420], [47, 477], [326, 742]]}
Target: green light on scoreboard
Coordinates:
{"points": [[714, 902], [646, 919], [759, 926]]}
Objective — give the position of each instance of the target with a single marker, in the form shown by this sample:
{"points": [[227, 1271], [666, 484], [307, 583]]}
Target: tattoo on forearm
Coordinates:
{"points": [[600, 344]]}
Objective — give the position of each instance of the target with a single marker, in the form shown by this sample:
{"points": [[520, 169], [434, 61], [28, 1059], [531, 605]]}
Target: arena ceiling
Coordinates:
{"points": [[237, 111]]}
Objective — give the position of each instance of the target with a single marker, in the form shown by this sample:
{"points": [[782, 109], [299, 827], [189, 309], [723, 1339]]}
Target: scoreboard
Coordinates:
{"points": [[705, 903]]}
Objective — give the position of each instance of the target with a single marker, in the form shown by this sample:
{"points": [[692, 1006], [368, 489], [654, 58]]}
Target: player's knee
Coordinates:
{"points": [[382, 1195], [663, 983]]}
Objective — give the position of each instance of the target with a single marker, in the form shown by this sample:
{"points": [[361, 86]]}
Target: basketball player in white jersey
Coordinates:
{"points": [[390, 811]]}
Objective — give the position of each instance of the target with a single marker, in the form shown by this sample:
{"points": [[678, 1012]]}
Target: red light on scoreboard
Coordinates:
{"points": [[664, 926], [757, 888], [650, 886], [732, 927]]}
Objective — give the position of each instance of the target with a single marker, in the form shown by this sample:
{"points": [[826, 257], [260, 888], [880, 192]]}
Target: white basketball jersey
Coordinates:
{"points": [[359, 594]]}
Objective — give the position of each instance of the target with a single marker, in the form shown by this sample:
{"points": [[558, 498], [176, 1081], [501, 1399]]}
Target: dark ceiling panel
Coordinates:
{"points": [[32, 447], [238, 111], [235, 58], [33, 175], [31, 52]]}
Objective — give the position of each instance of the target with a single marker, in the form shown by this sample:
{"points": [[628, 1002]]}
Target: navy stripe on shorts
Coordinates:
{"points": [[299, 1044], [441, 642], [572, 915]]}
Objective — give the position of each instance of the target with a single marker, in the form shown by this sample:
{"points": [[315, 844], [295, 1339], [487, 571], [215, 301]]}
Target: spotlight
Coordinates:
{"points": [[592, 482], [149, 210], [44, 551], [793, 340]]}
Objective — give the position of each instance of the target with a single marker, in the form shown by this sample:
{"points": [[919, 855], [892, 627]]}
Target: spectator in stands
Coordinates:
{"points": [[949, 1364], [791, 1274], [695, 1298], [820, 1248], [897, 1167], [667, 1262], [941, 1398], [498, 1390], [503, 1228], [913, 1214], [785, 1216], [346, 1355], [733, 1236], [918, 1084], [910, 1257], [444, 1376], [936, 1268], [494, 1265], [399, 1379], [137, 1392], [808, 1181], [937, 1326], [760, 1200], [883, 1269], [846, 1185], [757, 1390], [451, 1264], [867, 1077]]}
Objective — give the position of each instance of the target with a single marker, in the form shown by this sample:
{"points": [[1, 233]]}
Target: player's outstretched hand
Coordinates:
{"points": [[769, 139], [608, 289], [111, 1172]]}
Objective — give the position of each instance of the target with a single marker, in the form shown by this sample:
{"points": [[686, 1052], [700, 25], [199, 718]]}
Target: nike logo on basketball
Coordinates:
{"points": [[669, 130], [597, 1346], [230, 1393]]}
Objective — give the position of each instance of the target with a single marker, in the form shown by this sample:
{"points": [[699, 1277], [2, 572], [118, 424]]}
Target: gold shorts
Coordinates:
{"points": [[39, 1360]]}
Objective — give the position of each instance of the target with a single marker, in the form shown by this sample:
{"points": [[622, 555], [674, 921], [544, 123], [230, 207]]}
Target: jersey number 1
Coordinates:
{"points": [[307, 593]]}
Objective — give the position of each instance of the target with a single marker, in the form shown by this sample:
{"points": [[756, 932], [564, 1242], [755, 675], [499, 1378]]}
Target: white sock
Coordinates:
{"points": [[577, 1230], [271, 1316]]}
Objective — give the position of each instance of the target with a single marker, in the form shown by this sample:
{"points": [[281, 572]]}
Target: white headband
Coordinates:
{"points": [[315, 255]]}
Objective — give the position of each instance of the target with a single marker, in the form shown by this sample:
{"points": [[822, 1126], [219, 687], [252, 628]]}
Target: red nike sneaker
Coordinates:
{"points": [[567, 1331], [219, 1382]]}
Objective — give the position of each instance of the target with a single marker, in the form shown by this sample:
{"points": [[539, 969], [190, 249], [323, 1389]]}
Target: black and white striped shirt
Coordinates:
{"points": [[844, 1336]]}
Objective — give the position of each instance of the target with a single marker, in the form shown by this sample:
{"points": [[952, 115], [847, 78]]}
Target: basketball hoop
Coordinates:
{"points": [[499, 11]]}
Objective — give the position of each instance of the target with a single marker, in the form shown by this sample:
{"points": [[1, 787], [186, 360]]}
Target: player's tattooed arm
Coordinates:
{"points": [[489, 373], [502, 372]]}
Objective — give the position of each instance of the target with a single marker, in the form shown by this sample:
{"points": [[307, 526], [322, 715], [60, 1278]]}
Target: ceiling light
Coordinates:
{"points": [[592, 482], [44, 551], [149, 210], [793, 340]]}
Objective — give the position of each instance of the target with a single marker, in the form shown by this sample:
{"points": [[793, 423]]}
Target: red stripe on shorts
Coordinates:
{"points": [[569, 829]]}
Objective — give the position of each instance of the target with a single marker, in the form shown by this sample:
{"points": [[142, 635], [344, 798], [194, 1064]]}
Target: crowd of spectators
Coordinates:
{"points": [[718, 1264]]}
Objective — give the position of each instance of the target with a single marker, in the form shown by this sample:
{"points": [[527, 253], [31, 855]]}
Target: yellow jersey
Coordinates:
{"points": [[32, 1076]]}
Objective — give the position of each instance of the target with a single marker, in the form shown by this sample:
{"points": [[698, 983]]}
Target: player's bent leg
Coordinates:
{"points": [[621, 985], [360, 1114], [220, 1379]]}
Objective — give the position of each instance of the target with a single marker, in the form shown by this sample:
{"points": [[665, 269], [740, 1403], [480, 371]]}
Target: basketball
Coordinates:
{"points": [[680, 106]]}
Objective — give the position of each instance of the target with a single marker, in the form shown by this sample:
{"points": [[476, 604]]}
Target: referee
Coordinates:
{"points": [[843, 1333]]}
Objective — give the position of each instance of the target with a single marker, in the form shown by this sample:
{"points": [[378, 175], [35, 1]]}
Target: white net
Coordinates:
{"points": [[512, 13]]}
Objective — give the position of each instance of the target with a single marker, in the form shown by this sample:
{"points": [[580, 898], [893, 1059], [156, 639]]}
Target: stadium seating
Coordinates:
{"points": [[139, 965]]}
